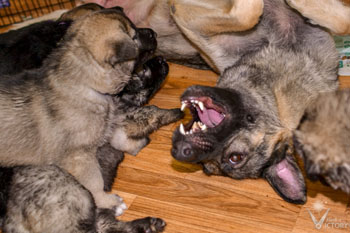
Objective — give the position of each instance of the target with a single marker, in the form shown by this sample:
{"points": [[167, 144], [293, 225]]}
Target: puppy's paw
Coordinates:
{"points": [[110, 201], [119, 210], [171, 115], [148, 225], [211, 168]]}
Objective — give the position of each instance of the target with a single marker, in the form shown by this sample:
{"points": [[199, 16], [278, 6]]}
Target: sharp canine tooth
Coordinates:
{"points": [[192, 101], [196, 101], [182, 129], [201, 105], [203, 127], [191, 131], [183, 106], [195, 125]]}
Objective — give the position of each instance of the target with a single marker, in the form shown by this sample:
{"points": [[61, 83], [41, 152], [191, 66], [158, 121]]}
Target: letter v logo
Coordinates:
{"points": [[318, 224]]}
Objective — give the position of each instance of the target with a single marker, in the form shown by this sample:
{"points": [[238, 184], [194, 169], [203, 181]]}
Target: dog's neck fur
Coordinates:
{"points": [[252, 73]]}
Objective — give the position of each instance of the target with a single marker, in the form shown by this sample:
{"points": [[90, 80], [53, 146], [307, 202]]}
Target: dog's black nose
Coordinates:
{"points": [[183, 151]]}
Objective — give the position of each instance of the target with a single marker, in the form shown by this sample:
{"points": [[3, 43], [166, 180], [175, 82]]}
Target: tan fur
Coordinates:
{"points": [[331, 14], [210, 17]]}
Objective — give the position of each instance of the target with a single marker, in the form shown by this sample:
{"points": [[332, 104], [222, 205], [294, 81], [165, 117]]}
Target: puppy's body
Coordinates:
{"points": [[269, 76], [322, 139], [48, 199]]}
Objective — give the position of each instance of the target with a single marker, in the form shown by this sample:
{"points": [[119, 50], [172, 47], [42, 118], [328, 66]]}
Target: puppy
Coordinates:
{"points": [[66, 107], [322, 139], [242, 128], [48, 199]]}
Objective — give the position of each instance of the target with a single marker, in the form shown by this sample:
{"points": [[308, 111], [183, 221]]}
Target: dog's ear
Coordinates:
{"points": [[284, 175], [123, 51]]}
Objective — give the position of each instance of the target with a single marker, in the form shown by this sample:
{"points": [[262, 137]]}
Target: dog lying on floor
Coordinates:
{"points": [[322, 139], [243, 127], [119, 65]]}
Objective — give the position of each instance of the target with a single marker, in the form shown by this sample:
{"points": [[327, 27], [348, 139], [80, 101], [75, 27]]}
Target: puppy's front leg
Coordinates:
{"points": [[131, 134], [83, 165]]}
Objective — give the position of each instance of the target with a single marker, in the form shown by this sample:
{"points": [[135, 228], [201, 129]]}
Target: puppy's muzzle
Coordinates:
{"points": [[147, 39]]}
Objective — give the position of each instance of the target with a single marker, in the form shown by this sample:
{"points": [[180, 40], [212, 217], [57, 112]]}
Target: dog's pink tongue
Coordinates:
{"points": [[210, 117]]}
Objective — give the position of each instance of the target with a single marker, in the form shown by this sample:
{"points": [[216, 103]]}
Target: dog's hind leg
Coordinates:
{"points": [[109, 159], [331, 14], [83, 165]]}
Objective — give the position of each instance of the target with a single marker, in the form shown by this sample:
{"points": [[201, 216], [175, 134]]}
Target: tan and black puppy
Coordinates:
{"points": [[48, 199], [243, 127], [322, 139], [61, 113]]}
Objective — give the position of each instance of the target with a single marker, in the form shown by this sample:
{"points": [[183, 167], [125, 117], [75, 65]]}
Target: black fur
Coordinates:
{"points": [[26, 48]]}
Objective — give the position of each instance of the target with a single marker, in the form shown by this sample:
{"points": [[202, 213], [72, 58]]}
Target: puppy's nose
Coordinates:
{"points": [[147, 39], [183, 151]]}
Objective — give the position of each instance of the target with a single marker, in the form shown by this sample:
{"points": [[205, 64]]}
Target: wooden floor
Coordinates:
{"points": [[154, 184]]}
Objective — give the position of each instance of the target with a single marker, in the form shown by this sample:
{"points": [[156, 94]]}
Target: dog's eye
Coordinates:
{"points": [[235, 158]]}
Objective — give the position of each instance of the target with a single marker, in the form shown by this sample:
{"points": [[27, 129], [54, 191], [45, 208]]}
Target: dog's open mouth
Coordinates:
{"points": [[205, 114]]}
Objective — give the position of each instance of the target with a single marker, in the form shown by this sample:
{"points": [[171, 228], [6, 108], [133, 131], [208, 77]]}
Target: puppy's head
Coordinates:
{"points": [[110, 46], [233, 133]]}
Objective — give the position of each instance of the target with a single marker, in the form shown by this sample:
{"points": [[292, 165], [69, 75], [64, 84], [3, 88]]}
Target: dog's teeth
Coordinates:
{"points": [[203, 127], [183, 106], [182, 129], [201, 105], [191, 131], [195, 125], [192, 101], [196, 101]]}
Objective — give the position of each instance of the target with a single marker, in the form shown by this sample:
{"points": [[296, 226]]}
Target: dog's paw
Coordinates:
{"points": [[171, 115], [119, 210], [110, 201], [211, 168], [148, 225]]}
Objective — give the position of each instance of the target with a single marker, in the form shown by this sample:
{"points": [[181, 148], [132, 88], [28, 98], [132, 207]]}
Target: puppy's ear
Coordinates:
{"points": [[122, 52], [285, 176]]}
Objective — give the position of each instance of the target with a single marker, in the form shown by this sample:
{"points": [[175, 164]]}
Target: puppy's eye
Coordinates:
{"points": [[250, 118], [235, 159]]}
